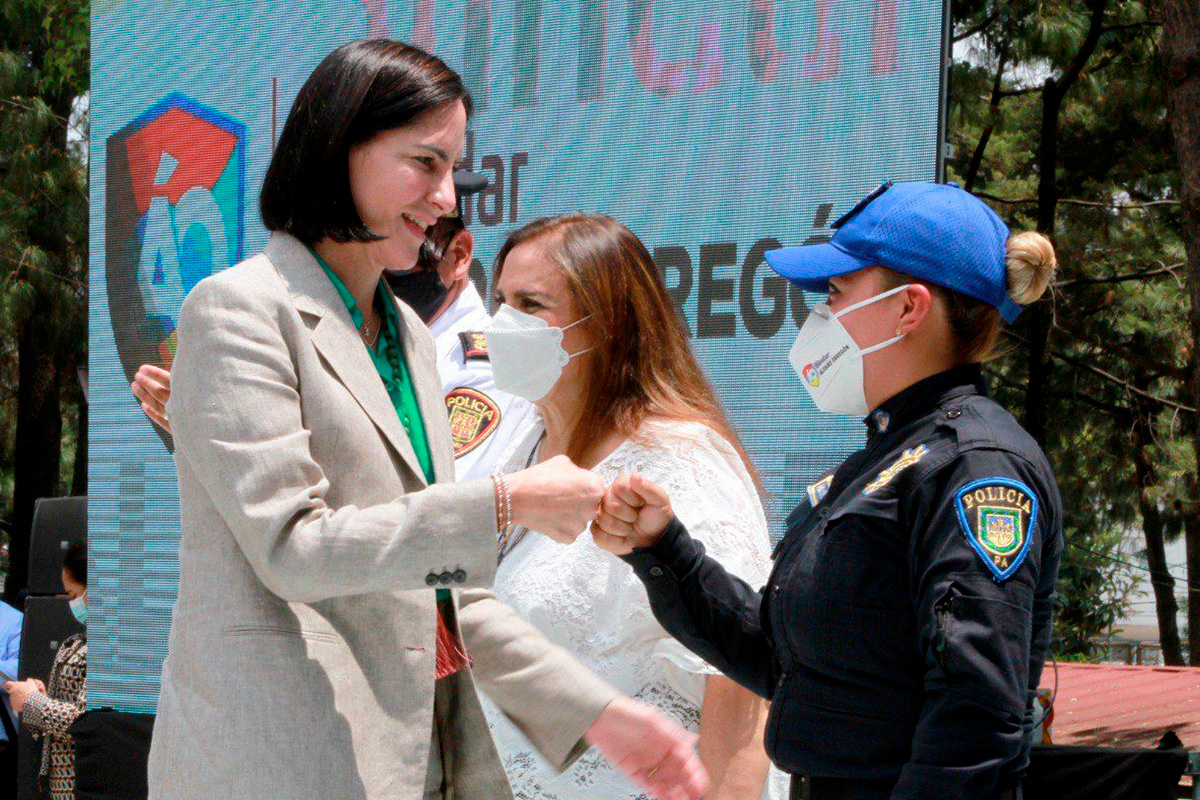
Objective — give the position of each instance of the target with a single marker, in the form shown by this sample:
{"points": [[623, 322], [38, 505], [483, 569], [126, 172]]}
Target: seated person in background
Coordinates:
{"points": [[50, 711]]}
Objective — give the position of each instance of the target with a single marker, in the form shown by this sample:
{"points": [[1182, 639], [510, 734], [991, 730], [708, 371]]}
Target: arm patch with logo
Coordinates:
{"points": [[997, 515], [473, 418], [474, 346]]}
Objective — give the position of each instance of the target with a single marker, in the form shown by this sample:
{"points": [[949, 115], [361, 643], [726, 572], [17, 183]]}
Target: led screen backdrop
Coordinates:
{"points": [[715, 130]]}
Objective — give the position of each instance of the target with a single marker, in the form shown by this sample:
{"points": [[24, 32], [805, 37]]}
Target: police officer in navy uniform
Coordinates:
{"points": [[902, 632]]}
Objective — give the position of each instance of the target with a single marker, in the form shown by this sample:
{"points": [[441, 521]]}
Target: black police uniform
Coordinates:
{"points": [[902, 633]]}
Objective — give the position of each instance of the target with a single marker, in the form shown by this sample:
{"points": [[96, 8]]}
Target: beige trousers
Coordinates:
{"points": [[441, 747]]}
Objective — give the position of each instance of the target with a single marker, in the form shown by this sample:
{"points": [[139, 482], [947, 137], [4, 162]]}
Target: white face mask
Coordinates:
{"points": [[526, 352], [828, 361]]}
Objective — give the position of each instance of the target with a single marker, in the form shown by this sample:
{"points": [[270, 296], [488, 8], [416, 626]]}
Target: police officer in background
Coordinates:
{"points": [[483, 419], [902, 632]]}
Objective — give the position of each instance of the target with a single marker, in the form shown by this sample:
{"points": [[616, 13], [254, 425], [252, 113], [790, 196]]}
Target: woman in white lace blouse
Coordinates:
{"points": [[589, 333]]}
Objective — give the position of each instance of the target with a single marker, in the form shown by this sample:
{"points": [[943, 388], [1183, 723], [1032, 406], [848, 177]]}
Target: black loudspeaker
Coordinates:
{"points": [[57, 521], [1069, 772], [48, 622], [29, 761]]}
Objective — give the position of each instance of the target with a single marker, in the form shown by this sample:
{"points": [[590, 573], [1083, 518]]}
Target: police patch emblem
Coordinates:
{"points": [[473, 418], [474, 345], [906, 460], [817, 491], [997, 515]]}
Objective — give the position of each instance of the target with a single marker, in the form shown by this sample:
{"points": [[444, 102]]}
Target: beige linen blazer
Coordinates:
{"points": [[301, 655]]}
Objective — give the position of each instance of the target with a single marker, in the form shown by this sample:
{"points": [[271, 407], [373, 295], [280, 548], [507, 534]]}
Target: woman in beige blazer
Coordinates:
{"points": [[308, 656]]}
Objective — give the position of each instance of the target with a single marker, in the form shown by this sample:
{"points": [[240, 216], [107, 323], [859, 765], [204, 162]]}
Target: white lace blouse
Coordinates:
{"points": [[590, 602]]}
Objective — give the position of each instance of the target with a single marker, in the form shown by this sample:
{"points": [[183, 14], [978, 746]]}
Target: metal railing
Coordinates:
{"points": [[1135, 653]]}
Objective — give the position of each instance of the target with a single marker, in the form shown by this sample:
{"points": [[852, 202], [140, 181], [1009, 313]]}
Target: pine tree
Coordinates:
{"points": [[1059, 118], [1181, 65], [44, 71]]}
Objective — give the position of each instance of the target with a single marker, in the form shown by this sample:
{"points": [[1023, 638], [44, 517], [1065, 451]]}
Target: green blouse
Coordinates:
{"points": [[388, 358]]}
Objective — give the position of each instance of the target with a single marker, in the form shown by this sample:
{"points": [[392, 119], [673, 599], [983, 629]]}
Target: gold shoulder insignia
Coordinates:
{"points": [[474, 346], [817, 491], [906, 460]]}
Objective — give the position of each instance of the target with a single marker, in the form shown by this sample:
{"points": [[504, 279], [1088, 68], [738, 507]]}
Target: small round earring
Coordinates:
{"points": [[898, 331]]}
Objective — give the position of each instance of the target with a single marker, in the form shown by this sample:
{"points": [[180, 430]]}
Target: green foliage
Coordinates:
{"points": [[44, 71], [1113, 150]]}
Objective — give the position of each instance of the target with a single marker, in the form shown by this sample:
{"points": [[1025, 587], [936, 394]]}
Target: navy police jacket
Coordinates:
{"points": [[902, 632]]}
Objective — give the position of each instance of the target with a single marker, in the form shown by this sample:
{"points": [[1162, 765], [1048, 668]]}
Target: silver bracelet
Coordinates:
{"points": [[508, 515], [498, 496]]}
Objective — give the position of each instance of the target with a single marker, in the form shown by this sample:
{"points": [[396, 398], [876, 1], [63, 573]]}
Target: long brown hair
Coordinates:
{"points": [[641, 364]]}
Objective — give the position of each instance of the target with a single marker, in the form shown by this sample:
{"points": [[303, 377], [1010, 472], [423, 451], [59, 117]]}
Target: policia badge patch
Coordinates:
{"points": [[473, 418], [997, 516]]}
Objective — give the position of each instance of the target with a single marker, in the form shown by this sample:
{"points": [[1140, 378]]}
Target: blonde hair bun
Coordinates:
{"points": [[1030, 262]]}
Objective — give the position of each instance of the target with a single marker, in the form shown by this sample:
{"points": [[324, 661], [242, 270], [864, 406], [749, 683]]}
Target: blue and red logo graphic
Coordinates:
{"points": [[811, 375], [175, 195]]}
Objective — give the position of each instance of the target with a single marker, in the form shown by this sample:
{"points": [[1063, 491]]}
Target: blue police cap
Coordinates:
{"points": [[931, 231]]}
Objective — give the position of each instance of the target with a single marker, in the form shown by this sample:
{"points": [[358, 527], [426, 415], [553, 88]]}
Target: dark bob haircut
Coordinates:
{"points": [[75, 561], [360, 90]]}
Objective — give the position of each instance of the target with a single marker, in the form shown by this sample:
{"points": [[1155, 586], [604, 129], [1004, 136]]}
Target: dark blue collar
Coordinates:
{"points": [[915, 401]]}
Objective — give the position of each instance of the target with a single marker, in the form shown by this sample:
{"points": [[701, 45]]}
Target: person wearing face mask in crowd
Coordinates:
{"points": [[483, 419], [902, 633], [585, 330], [48, 711]]}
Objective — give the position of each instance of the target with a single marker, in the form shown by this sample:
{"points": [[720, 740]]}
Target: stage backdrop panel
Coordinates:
{"points": [[715, 130]]}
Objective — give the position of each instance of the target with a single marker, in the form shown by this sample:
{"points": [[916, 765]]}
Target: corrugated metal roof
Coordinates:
{"points": [[1124, 706]]}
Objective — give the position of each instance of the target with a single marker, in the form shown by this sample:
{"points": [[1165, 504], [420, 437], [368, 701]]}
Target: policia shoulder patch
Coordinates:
{"points": [[997, 516], [474, 346], [473, 418]]}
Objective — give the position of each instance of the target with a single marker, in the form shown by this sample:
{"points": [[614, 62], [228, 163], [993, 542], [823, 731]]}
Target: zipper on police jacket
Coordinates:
{"points": [[773, 717]]}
